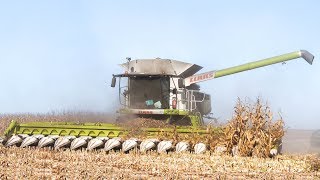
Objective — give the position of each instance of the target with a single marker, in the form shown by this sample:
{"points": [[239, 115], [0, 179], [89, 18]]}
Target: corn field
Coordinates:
{"points": [[240, 149]]}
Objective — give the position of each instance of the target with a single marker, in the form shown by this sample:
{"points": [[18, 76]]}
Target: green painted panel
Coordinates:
{"points": [[86, 129]]}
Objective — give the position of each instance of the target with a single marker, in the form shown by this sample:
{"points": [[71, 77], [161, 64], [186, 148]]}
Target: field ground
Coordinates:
{"points": [[301, 141], [32, 163]]}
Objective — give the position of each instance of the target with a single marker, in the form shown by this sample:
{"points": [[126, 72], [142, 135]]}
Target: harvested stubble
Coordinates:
{"points": [[32, 163]]}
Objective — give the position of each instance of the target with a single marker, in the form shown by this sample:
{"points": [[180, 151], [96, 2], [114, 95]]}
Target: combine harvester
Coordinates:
{"points": [[161, 89]]}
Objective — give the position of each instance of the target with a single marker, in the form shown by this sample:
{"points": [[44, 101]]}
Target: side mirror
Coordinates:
{"points": [[181, 83], [113, 81], [174, 91]]}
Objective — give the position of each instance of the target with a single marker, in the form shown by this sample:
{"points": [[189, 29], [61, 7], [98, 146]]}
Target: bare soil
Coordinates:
{"points": [[297, 141]]}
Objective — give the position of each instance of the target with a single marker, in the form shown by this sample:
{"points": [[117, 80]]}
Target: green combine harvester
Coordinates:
{"points": [[161, 89]]}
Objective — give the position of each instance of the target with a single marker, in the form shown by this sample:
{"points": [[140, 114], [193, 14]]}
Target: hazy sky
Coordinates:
{"points": [[60, 55]]}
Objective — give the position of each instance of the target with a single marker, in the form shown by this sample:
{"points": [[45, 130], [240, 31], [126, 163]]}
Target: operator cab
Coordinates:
{"points": [[152, 85], [149, 92]]}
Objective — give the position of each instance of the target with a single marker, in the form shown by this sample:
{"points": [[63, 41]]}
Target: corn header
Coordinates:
{"points": [[161, 89]]}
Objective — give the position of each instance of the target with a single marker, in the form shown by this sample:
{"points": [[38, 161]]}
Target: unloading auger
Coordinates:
{"points": [[161, 89]]}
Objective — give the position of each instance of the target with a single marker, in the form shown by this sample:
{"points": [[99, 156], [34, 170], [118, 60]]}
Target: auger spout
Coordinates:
{"points": [[265, 62], [249, 66]]}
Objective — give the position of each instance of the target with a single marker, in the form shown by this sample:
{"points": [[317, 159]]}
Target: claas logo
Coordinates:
{"points": [[202, 77]]}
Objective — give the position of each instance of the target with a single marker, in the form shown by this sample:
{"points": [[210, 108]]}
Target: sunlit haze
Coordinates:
{"points": [[60, 55]]}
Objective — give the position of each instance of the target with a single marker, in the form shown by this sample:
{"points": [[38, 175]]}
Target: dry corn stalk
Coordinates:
{"points": [[253, 131]]}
